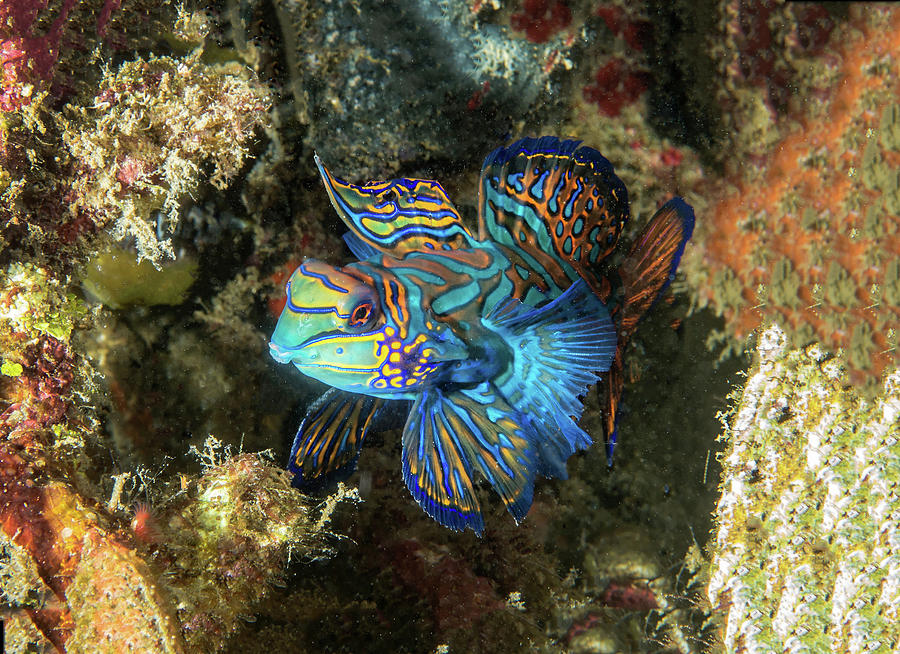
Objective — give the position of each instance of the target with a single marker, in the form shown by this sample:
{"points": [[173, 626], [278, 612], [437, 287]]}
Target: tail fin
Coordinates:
{"points": [[653, 259], [646, 272]]}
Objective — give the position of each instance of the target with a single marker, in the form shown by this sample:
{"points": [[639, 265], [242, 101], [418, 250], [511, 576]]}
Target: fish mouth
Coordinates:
{"points": [[282, 354]]}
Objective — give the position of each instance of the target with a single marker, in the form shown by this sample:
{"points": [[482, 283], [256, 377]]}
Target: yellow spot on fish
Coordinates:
{"points": [[395, 357]]}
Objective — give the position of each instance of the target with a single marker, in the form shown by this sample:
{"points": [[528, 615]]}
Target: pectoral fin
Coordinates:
{"points": [[326, 447], [450, 435], [558, 349]]}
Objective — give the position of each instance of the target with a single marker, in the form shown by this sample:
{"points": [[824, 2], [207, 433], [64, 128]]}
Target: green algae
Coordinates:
{"points": [[115, 278], [11, 369], [37, 302], [785, 284]]}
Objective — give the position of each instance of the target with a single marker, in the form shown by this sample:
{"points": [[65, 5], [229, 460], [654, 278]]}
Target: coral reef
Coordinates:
{"points": [[807, 547], [220, 543], [146, 135], [44, 44], [132, 141], [223, 540], [105, 594], [623, 75], [823, 263], [90, 155], [158, 184]]}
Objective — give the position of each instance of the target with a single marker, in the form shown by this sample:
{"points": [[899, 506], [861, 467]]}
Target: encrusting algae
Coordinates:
{"points": [[810, 237]]}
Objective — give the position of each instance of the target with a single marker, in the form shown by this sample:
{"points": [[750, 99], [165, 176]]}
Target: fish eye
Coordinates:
{"points": [[361, 314]]}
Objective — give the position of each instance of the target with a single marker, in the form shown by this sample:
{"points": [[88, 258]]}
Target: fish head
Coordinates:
{"points": [[333, 328]]}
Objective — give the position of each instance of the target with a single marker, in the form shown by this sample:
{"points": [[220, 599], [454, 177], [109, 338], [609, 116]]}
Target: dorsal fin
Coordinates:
{"points": [[398, 216], [559, 206]]}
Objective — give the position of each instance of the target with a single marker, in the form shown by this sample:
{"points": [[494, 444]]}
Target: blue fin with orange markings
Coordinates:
{"points": [[397, 216], [646, 272], [326, 447], [558, 350], [450, 435], [556, 204]]}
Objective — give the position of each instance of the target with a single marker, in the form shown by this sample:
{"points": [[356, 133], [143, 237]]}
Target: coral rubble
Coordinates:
{"points": [[807, 546]]}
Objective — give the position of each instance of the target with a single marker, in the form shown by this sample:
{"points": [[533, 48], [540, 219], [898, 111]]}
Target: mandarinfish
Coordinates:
{"points": [[492, 337]]}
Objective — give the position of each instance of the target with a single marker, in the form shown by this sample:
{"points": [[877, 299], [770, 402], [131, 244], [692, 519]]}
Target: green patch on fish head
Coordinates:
{"points": [[334, 329]]}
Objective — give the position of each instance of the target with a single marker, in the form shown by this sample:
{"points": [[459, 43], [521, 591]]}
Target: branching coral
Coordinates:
{"points": [[807, 549]]}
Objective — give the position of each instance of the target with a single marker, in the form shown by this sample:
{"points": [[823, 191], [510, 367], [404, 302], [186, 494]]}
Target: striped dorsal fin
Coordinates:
{"points": [[398, 216]]}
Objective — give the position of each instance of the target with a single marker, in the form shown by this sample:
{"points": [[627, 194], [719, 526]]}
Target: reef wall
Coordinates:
{"points": [[158, 186]]}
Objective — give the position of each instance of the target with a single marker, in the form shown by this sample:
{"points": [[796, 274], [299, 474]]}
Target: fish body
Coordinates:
{"points": [[491, 337]]}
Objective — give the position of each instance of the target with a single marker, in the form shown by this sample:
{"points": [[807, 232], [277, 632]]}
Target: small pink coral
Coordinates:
{"points": [[131, 170]]}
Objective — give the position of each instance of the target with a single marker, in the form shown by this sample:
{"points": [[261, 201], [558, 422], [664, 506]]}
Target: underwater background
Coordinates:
{"points": [[156, 166]]}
